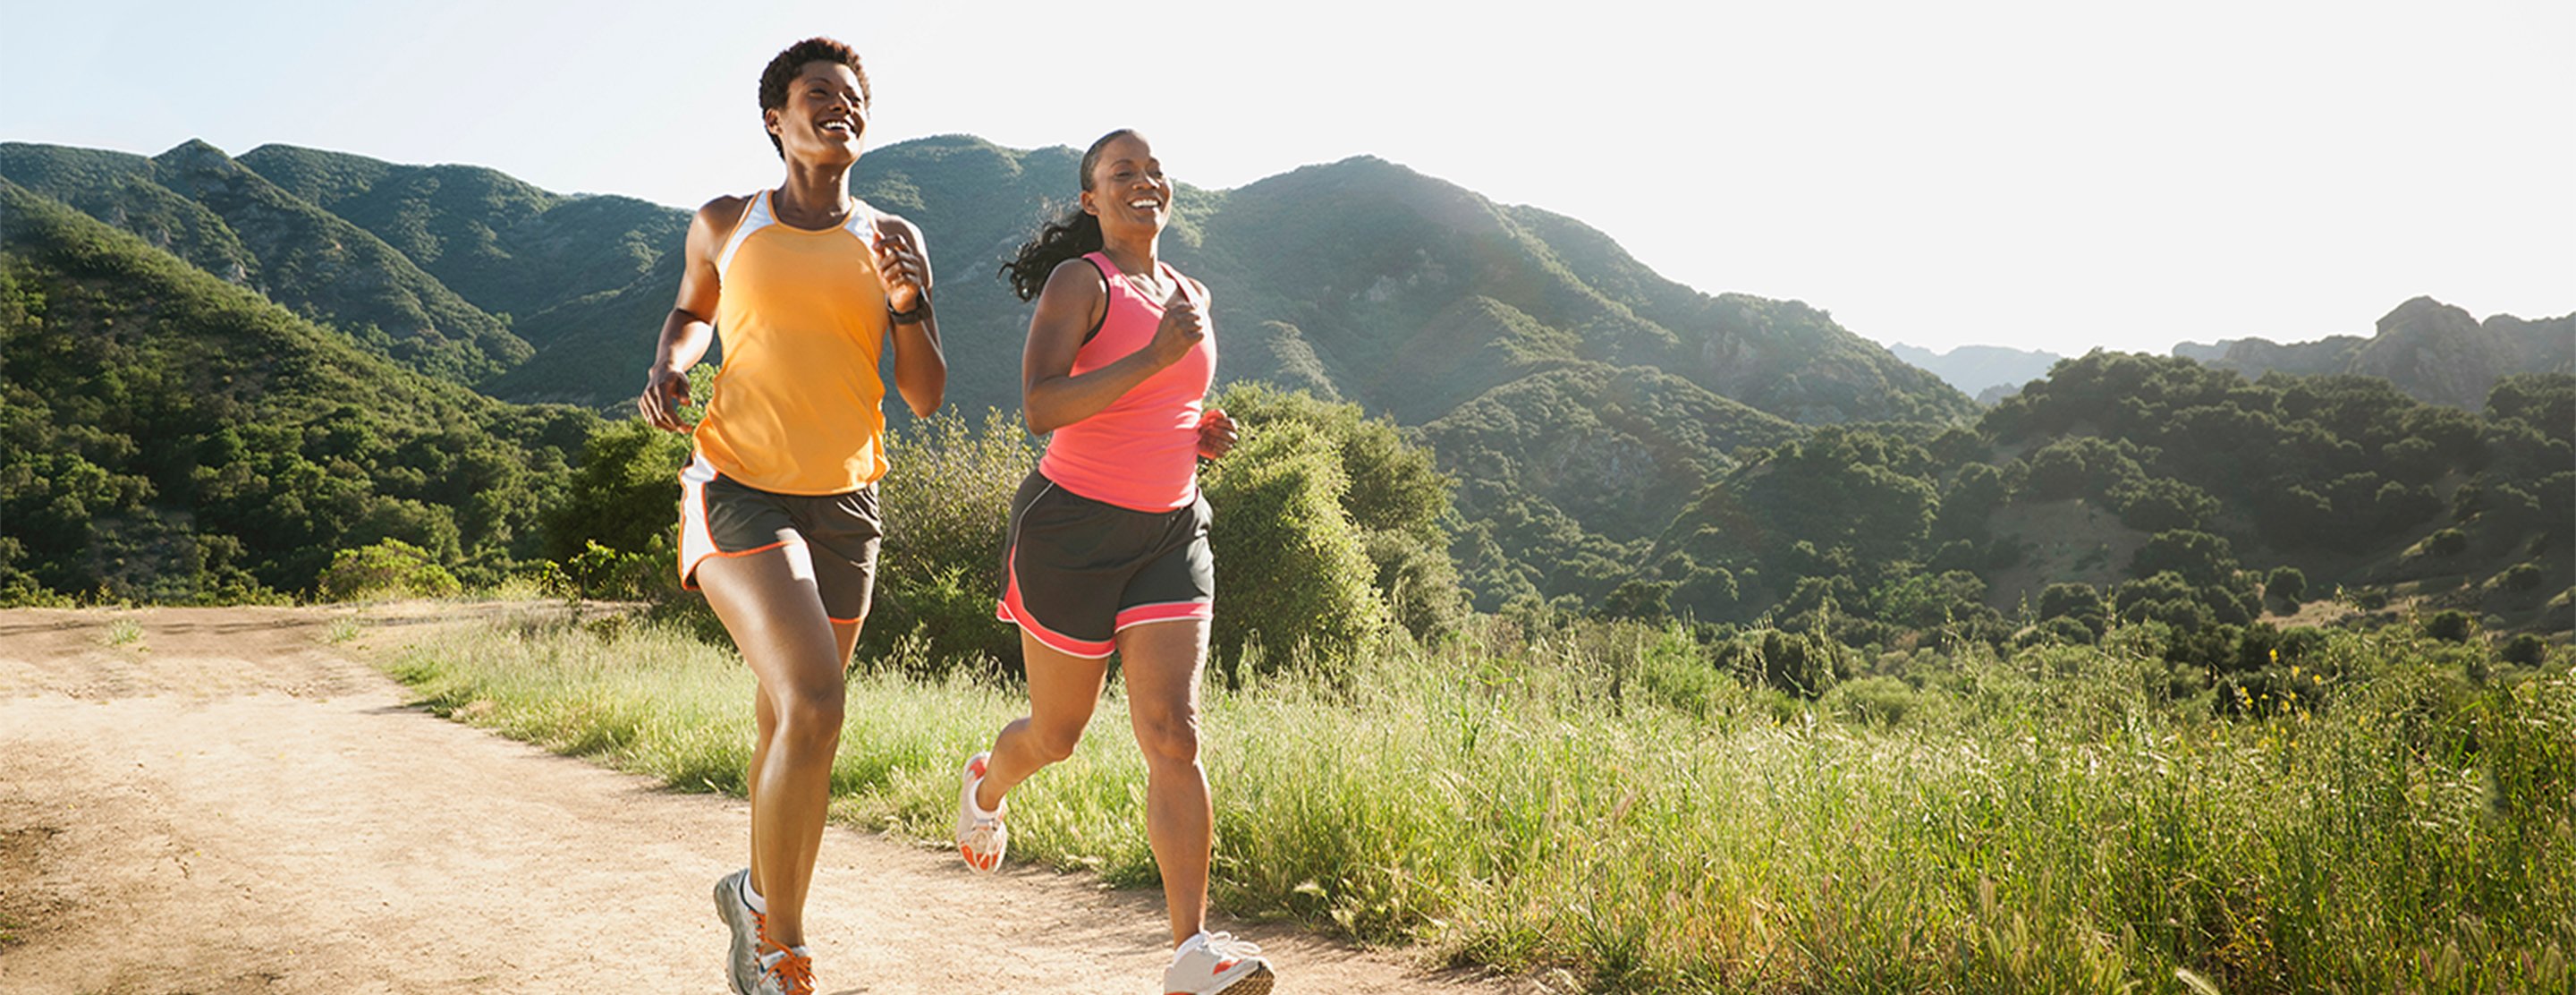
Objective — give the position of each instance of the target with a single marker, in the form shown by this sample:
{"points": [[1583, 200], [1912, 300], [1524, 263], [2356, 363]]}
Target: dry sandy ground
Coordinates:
{"points": [[231, 800]]}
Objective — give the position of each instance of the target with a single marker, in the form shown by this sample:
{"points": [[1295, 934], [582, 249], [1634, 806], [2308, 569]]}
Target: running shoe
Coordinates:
{"points": [[787, 971], [1217, 964], [749, 928], [981, 837]]}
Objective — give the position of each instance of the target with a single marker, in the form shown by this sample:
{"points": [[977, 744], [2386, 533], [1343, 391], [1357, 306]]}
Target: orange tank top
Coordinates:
{"points": [[802, 320]]}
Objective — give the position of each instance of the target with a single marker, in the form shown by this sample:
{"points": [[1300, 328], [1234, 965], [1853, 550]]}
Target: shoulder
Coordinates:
{"points": [[898, 226], [726, 209], [719, 216], [1078, 274]]}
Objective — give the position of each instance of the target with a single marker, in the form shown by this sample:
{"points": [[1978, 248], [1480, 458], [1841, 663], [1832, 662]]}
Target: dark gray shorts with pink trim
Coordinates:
{"points": [[837, 534], [1076, 571]]}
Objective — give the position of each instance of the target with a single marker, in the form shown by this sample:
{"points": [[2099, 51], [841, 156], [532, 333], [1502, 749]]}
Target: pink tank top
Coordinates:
{"points": [[1140, 452]]}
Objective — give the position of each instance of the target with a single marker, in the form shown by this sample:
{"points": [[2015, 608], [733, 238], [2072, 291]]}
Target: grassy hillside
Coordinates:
{"points": [[506, 246], [295, 253], [175, 437]]}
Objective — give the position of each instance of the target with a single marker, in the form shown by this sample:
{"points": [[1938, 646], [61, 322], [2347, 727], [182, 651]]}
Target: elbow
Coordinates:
{"points": [[924, 390]]}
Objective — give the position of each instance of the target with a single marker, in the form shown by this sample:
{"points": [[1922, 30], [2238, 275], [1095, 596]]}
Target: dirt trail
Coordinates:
{"points": [[231, 801]]}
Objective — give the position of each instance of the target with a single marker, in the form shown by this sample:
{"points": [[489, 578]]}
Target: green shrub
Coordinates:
{"points": [[387, 568], [2061, 630], [2159, 505], [946, 498], [1396, 498], [1799, 663], [2200, 558], [2446, 543], [1291, 568], [2287, 584], [600, 573], [2526, 650], [1675, 670], [1881, 700], [2451, 626], [625, 495]]}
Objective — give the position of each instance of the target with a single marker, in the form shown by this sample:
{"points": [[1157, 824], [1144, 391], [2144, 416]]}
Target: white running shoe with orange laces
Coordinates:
{"points": [[786, 971]]}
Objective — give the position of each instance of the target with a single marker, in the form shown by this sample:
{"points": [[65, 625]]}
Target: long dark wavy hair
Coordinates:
{"points": [[1068, 237]]}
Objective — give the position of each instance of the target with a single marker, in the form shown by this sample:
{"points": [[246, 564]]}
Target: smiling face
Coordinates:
{"points": [[824, 117], [1126, 188]]}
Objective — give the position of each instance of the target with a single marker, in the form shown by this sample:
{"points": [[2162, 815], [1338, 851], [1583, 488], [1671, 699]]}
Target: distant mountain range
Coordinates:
{"points": [[1985, 372], [2433, 351]]}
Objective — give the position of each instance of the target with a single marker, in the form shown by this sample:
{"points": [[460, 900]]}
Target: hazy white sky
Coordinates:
{"points": [[2045, 175]]}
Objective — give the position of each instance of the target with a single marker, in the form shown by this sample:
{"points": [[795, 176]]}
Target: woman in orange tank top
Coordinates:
{"points": [[1107, 550], [779, 516]]}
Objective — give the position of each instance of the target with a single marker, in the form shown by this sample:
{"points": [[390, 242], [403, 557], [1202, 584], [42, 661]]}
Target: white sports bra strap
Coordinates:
{"points": [[754, 218]]}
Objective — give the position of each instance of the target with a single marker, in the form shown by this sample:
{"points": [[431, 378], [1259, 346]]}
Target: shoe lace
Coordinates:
{"points": [[794, 971], [1226, 947]]}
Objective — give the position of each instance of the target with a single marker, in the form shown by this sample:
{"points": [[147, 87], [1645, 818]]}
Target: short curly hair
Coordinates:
{"points": [[782, 71]]}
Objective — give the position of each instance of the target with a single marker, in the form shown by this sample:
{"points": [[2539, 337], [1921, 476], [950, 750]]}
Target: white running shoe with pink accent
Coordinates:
{"points": [[981, 837]]}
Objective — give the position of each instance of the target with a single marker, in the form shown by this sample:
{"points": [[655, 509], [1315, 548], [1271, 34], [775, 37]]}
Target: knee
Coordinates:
{"points": [[810, 715], [1171, 739], [1054, 744]]}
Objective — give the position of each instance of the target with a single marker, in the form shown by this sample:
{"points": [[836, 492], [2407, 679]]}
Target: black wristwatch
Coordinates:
{"points": [[920, 310]]}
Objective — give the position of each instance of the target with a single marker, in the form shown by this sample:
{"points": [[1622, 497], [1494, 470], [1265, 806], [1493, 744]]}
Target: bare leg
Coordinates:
{"points": [[1063, 689], [1162, 661], [770, 606], [765, 719]]}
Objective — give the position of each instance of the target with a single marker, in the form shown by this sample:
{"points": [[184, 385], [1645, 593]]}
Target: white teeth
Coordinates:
{"points": [[1144, 203]]}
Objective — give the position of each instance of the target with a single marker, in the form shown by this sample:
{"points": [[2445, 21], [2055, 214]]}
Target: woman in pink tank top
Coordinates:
{"points": [[1108, 549]]}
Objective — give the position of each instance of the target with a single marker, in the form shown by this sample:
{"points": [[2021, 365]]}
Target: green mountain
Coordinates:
{"points": [[2432, 351], [230, 221], [508, 247], [1580, 394], [173, 436], [2147, 488]]}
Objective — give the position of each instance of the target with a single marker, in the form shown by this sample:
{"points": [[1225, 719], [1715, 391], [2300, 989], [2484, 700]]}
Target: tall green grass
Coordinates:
{"points": [[1600, 801]]}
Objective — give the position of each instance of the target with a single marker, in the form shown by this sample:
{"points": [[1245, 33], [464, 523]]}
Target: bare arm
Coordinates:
{"points": [[687, 331], [1075, 297], [903, 264]]}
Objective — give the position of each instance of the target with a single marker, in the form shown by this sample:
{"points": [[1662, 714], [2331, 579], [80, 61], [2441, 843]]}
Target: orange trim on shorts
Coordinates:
{"points": [[1169, 611], [690, 571], [1009, 609]]}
